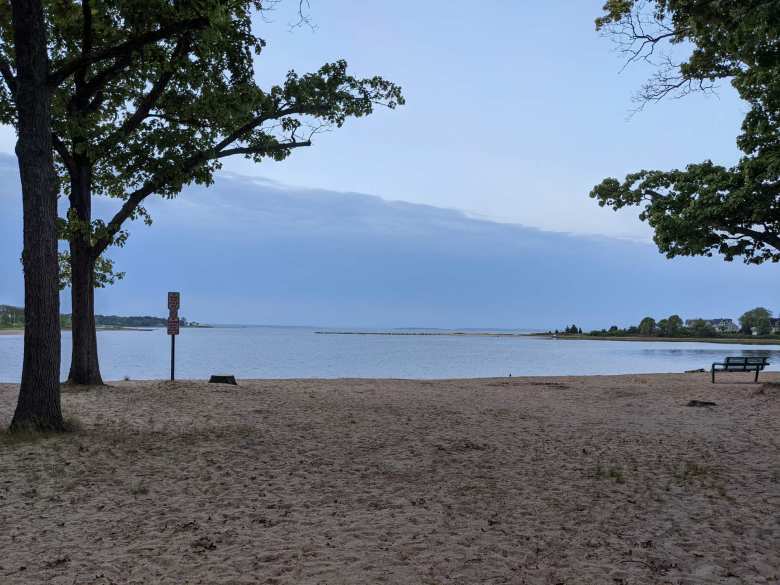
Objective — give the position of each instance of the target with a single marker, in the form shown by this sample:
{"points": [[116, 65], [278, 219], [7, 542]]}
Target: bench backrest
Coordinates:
{"points": [[747, 361]]}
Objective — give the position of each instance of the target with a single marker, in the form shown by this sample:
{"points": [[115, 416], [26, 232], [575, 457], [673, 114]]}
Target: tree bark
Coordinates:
{"points": [[39, 393], [84, 365]]}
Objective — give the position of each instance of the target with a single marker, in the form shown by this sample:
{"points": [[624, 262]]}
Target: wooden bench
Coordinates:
{"points": [[741, 364]]}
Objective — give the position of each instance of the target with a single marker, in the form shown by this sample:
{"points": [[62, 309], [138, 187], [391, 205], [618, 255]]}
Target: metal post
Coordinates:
{"points": [[173, 356]]}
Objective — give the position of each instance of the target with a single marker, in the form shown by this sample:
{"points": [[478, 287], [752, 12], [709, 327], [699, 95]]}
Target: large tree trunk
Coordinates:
{"points": [[39, 394], [84, 365]]}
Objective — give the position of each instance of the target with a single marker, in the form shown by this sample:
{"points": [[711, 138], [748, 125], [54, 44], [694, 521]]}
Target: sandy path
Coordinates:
{"points": [[561, 480]]}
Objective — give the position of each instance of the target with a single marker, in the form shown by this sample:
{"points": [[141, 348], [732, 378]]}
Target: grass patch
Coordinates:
{"points": [[31, 435], [690, 471], [139, 488], [614, 473]]}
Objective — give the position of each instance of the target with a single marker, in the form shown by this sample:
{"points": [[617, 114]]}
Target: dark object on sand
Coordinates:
{"points": [[695, 371], [741, 364], [701, 403], [223, 379]]}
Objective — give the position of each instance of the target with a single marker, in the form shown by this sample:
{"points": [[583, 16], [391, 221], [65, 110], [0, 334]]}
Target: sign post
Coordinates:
{"points": [[173, 327]]}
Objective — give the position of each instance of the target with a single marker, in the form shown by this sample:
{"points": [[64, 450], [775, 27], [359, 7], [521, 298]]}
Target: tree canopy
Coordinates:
{"points": [[758, 318], [151, 95], [670, 326], [707, 208], [647, 326]]}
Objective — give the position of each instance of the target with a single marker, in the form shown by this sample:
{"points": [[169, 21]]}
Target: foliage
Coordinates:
{"points": [[671, 326], [707, 208], [647, 326], [13, 317], [151, 95], [104, 273], [701, 328], [135, 321], [760, 318]]}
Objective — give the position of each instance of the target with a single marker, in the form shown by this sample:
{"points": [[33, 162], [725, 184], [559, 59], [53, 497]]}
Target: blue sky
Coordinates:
{"points": [[514, 111]]}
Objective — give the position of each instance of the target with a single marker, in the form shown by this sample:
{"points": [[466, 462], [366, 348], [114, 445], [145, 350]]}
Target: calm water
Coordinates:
{"points": [[281, 352]]}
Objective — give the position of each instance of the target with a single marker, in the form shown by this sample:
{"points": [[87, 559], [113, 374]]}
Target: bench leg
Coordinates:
{"points": [[713, 375], [756, 378]]}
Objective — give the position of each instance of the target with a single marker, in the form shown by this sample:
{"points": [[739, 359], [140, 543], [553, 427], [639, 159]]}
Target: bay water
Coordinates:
{"points": [[300, 352]]}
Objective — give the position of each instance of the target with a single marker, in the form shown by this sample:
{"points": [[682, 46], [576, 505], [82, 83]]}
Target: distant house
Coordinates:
{"points": [[774, 327], [721, 325]]}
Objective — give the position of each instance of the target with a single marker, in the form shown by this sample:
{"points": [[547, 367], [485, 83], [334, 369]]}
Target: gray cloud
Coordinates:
{"points": [[255, 251]]}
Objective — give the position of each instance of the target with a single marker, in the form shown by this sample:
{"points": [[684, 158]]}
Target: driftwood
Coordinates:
{"points": [[701, 403]]}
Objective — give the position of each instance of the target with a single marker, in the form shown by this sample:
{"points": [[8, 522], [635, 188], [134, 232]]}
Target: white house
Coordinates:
{"points": [[720, 325]]}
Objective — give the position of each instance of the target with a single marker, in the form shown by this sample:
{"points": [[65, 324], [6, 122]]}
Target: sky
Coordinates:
{"points": [[514, 110], [255, 251], [468, 206]]}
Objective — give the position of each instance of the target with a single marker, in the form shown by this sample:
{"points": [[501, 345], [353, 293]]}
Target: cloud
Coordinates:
{"points": [[255, 251]]}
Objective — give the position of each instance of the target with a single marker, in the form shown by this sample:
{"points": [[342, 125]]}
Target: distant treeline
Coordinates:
{"points": [[12, 317], [145, 321], [757, 322]]}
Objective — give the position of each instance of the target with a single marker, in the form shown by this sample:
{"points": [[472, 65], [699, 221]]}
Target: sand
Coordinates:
{"points": [[584, 480]]}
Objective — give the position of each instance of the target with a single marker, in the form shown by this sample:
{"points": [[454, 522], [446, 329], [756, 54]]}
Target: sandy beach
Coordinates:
{"points": [[593, 480]]}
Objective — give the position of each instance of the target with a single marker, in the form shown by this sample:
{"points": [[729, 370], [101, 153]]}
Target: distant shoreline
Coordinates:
{"points": [[721, 340], [20, 331], [429, 333]]}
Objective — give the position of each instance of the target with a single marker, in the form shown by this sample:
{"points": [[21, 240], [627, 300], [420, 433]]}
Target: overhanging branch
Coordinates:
{"points": [[147, 102], [130, 46], [263, 150], [765, 237], [161, 180]]}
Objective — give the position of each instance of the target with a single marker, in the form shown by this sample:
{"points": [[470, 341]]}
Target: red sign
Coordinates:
{"points": [[173, 301], [173, 326]]}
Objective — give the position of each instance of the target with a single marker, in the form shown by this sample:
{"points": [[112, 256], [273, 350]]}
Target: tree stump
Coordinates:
{"points": [[223, 379]]}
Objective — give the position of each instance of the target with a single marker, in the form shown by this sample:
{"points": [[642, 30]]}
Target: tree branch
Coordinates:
{"points": [[158, 181], [86, 37], [130, 46], [8, 76], [62, 150], [766, 237], [241, 131], [262, 150], [183, 47]]}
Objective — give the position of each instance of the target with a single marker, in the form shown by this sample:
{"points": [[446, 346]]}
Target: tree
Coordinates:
{"points": [[707, 208], [760, 318], [702, 328], [152, 95], [38, 406], [670, 326], [647, 326]]}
